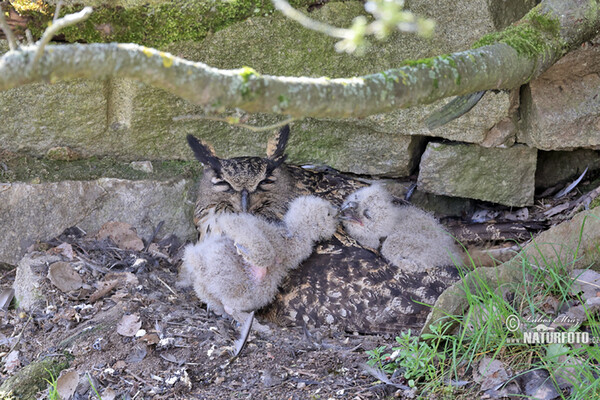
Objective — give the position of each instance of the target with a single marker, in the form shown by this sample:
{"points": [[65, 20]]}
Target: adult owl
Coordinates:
{"points": [[342, 284]]}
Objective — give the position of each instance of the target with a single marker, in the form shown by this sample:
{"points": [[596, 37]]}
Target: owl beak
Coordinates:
{"points": [[349, 212], [245, 196]]}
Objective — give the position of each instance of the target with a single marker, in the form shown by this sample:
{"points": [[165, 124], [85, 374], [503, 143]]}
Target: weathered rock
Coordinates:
{"points": [[128, 120], [561, 108], [38, 117], [31, 212], [472, 127], [31, 270], [573, 244], [504, 176], [144, 166], [559, 166]]}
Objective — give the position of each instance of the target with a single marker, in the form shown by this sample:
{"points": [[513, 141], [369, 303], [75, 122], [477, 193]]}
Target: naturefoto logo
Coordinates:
{"points": [[543, 334]]}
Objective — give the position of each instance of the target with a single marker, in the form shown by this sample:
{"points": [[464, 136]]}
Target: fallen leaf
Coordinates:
{"points": [[586, 281], [66, 250], [129, 325], [522, 214], [11, 361], [66, 384], [538, 385], [109, 394], [137, 354], [151, 338], [63, 276], [491, 374], [122, 234], [126, 278], [6, 297]]}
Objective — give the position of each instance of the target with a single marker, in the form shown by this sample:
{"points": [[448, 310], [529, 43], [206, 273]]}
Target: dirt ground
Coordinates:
{"points": [[176, 349], [131, 333]]}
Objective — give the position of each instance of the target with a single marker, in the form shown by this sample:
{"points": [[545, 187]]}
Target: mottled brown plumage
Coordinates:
{"points": [[342, 284]]}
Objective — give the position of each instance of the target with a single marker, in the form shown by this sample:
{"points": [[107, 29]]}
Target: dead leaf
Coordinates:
{"points": [[6, 297], [129, 325], [558, 209], [66, 384], [66, 250], [522, 214], [138, 353], [11, 361], [122, 234], [127, 278], [151, 338], [63, 276], [491, 374], [109, 394], [586, 281], [537, 384]]}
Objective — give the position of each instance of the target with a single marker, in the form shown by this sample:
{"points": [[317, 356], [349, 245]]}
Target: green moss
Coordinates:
{"points": [[529, 37], [26, 383], [428, 62], [156, 25], [247, 72], [30, 169]]}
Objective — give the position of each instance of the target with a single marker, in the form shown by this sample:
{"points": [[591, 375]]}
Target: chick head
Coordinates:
{"points": [[369, 214]]}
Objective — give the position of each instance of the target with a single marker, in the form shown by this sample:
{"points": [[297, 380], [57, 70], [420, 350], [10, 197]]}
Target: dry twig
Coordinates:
{"points": [[10, 37], [53, 29], [231, 122]]}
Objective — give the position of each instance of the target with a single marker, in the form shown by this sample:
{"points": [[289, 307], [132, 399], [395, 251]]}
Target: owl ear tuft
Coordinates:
{"points": [[204, 153], [276, 146]]}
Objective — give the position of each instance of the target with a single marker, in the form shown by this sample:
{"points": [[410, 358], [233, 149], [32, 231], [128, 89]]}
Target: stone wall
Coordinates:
{"points": [[500, 151]]}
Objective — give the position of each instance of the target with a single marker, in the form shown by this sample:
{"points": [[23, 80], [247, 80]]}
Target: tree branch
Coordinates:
{"points": [[309, 23], [10, 38], [57, 25], [512, 58]]}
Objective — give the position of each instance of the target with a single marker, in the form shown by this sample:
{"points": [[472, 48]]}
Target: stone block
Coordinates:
{"points": [[37, 117], [560, 166], [561, 108], [504, 176], [32, 212]]}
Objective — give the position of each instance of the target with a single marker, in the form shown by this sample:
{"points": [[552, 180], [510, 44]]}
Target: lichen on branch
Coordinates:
{"points": [[497, 65]]}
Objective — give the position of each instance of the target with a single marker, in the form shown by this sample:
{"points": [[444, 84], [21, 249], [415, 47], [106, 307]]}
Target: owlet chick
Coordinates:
{"points": [[237, 269], [409, 238]]}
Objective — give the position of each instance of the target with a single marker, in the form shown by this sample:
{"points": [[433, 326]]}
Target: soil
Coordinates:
{"points": [[185, 350], [170, 347]]}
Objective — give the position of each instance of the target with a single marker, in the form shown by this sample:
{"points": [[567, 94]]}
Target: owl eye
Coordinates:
{"points": [[366, 214], [267, 181], [220, 185]]}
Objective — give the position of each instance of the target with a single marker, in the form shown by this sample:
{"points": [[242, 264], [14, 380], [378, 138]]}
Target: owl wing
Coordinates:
{"points": [[351, 288]]}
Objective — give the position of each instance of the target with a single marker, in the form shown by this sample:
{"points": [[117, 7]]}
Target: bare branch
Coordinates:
{"points": [[496, 66], [57, 11], [10, 38], [29, 37], [310, 23], [235, 122], [57, 25], [389, 16]]}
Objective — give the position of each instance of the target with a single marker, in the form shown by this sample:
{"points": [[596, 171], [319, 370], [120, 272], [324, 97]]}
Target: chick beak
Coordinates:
{"points": [[349, 212], [245, 196]]}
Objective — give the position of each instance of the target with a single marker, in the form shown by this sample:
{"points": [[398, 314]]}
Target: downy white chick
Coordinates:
{"points": [[409, 238], [237, 269]]}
